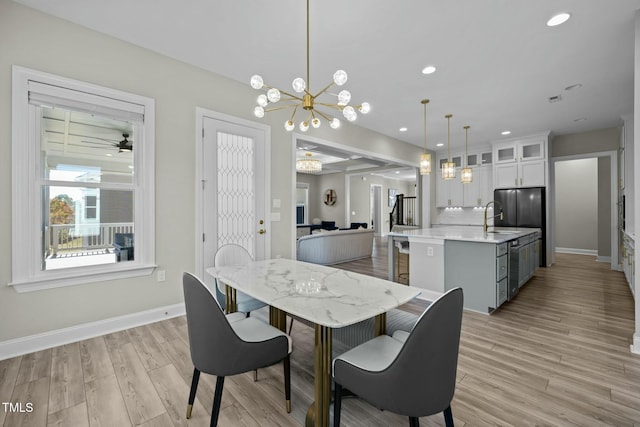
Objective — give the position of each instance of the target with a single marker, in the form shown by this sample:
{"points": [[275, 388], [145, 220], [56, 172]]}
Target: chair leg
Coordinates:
{"points": [[291, 326], [337, 403], [217, 400], [255, 375], [287, 382], [448, 417], [192, 393], [414, 422]]}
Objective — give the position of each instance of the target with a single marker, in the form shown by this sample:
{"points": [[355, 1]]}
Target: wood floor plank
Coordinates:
{"points": [[140, 397], [8, 375], [75, 416], [105, 402], [161, 421], [34, 366], [36, 393], [148, 348], [67, 382], [95, 358], [173, 392]]}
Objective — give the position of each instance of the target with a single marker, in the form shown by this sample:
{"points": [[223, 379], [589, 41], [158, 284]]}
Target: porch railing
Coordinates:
{"points": [[82, 237]]}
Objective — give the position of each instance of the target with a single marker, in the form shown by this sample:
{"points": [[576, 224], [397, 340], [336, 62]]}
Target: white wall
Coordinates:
{"points": [[577, 205], [82, 54]]}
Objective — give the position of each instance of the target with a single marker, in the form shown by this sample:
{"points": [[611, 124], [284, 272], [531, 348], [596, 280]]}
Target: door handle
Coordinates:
{"points": [[262, 231]]}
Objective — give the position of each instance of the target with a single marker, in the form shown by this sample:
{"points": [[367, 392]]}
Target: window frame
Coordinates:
{"points": [[26, 274]]}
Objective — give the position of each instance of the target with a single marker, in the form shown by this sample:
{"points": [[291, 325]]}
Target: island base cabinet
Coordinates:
{"points": [[479, 269], [426, 269]]}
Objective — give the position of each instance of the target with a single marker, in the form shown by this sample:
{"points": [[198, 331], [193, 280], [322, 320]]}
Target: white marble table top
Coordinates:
{"points": [[324, 295]]}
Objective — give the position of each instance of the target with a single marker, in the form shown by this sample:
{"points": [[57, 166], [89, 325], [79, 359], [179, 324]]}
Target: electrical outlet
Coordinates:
{"points": [[430, 251], [162, 275]]}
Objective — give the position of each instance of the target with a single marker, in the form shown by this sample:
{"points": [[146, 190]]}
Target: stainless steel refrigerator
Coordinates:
{"points": [[523, 207]]}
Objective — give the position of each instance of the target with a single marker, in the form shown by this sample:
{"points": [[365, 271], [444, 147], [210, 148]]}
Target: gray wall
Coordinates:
{"points": [[604, 207], [82, 54], [577, 204], [586, 142]]}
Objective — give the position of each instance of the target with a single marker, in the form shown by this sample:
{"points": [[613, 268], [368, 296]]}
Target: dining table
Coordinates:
{"points": [[325, 296]]}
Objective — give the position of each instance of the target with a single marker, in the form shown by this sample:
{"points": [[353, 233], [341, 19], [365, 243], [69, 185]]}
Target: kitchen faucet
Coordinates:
{"points": [[501, 215]]}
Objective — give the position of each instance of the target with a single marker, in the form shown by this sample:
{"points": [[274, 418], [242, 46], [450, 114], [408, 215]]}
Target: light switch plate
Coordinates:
{"points": [[275, 216]]}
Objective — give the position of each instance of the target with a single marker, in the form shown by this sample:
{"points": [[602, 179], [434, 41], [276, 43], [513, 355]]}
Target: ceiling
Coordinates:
{"points": [[497, 61]]}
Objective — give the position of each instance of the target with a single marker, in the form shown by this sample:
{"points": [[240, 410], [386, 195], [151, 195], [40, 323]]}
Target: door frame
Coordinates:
{"points": [[201, 113], [613, 160], [379, 231]]}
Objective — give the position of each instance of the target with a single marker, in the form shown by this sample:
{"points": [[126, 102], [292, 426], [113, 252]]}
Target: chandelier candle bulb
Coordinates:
{"points": [[308, 100]]}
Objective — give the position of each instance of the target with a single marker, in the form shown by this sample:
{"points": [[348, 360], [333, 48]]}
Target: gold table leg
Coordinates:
{"points": [[231, 299], [318, 413], [278, 318], [381, 324]]}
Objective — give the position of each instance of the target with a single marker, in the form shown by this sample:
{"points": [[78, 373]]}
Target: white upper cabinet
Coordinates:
{"points": [[520, 162]]}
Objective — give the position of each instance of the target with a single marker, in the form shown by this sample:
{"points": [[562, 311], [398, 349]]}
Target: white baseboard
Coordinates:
{"points": [[635, 347], [29, 344], [606, 259], [577, 251]]}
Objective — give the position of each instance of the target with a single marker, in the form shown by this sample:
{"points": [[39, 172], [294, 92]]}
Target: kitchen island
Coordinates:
{"points": [[490, 266]]}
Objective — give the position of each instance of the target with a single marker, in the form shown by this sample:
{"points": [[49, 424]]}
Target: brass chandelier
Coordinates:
{"points": [[307, 100], [308, 164], [425, 158]]}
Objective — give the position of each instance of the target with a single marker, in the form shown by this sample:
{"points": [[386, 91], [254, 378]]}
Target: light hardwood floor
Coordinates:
{"points": [[556, 355]]}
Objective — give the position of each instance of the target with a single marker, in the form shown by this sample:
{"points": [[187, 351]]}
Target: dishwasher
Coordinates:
{"points": [[517, 259]]}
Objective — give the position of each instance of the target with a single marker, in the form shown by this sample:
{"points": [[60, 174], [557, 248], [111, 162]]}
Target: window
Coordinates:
{"points": [[83, 176]]}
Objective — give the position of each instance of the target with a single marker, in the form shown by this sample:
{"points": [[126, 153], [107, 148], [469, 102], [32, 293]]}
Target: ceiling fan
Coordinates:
{"points": [[125, 145]]}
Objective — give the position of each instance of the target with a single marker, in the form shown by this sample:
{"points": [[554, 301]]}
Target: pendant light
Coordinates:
{"points": [[425, 158], [466, 175], [448, 167]]}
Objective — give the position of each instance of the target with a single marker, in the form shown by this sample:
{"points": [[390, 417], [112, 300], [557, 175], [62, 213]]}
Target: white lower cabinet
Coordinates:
{"points": [[448, 192]]}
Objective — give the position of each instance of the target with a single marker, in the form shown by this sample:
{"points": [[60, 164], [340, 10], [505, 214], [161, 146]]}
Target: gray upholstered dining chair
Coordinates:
{"points": [[232, 254], [411, 374], [223, 348]]}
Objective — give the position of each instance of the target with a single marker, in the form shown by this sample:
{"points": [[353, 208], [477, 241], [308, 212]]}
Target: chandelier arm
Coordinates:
{"points": [[324, 116], [283, 107], [334, 106], [325, 90], [291, 95]]}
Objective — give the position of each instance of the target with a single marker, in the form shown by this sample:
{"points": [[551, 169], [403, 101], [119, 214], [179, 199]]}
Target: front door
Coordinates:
{"points": [[235, 189]]}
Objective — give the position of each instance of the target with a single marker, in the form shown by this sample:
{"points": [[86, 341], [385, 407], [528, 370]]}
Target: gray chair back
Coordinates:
{"points": [[421, 380], [215, 347]]}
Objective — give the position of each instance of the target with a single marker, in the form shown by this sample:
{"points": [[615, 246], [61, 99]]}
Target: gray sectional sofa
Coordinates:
{"points": [[333, 247]]}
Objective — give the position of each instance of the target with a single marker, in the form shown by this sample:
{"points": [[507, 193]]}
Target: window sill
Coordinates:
{"points": [[39, 284]]}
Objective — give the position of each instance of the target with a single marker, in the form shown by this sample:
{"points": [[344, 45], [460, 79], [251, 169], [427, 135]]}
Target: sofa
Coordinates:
{"points": [[333, 247]]}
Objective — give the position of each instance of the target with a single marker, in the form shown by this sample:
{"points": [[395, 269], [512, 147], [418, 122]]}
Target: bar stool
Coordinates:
{"points": [[403, 248]]}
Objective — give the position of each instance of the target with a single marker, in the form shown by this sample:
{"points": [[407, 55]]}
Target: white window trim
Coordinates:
{"points": [[25, 276]]}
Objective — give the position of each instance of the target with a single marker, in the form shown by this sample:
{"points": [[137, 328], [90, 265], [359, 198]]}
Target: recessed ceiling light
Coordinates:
{"points": [[506, 132], [397, 171], [575, 86], [109, 155], [403, 129], [429, 69], [440, 144], [558, 19]]}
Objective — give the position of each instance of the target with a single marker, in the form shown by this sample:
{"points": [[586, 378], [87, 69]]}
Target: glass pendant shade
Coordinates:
{"points": [[425, 164], [466, 175], [448, 170], [448, 167], [425, 158], [308, 164]]}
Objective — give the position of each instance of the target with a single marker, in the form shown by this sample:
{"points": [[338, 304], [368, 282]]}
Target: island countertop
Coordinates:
{"points": [[466, 233]]}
